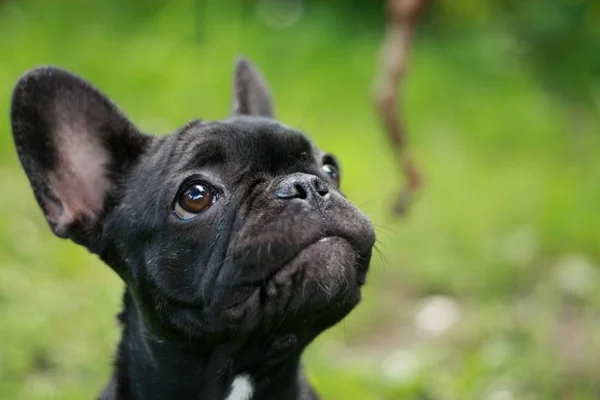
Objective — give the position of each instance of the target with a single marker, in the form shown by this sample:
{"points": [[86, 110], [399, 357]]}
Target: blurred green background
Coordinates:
{"points": [[488, 289]]}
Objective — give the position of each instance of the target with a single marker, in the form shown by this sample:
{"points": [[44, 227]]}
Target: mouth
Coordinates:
{"points": [[310, 257], [316, 275], [319, 285], [305, 260]]}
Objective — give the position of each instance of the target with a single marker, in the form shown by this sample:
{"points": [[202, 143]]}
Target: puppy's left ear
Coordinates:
{"points": [[76, 148], [251, 95]]}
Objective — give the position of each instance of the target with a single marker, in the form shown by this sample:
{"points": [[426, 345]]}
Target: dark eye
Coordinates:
{"points": [[194, 199], [333, 172]]}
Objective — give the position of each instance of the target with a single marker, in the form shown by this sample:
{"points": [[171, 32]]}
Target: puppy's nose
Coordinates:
{"points": [[301, 186]]}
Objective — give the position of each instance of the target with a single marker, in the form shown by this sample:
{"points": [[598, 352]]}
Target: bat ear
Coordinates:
{"points": [[75, 147], [251, 95]]}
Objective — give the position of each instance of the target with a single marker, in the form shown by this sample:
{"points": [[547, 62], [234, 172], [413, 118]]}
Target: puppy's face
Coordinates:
{"points": [[221, 229]]}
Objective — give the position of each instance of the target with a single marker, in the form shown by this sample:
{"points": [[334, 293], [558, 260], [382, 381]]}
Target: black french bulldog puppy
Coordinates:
{"points": [[234, 241]]}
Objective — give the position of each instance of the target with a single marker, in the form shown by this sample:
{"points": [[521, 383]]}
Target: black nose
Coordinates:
{"points": [[301, 186]]}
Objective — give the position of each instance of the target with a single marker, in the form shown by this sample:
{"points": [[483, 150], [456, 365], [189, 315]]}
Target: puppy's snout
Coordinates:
{"points": [[302, 186]]}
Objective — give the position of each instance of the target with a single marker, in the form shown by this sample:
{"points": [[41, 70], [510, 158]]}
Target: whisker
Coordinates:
{"points": [[384, 261], [385, 235], [359, 205], [385, 228]]}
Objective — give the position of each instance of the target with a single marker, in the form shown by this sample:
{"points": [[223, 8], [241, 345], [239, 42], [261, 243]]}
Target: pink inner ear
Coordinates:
{"points": [[80, 182]]}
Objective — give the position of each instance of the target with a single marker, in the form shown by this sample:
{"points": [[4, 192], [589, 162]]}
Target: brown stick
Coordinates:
{"points": [[400, 27]]}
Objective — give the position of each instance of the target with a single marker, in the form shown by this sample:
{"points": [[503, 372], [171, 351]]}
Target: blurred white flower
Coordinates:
{"points": [[500, 395], [574, 274], [400, 366], [436, 314]]}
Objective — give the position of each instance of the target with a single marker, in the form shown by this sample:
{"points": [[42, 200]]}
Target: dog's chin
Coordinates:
{"points": [[314, 290]]}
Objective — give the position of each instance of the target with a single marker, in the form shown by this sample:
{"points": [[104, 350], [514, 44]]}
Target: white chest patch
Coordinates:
{"points": [[241, 388]]}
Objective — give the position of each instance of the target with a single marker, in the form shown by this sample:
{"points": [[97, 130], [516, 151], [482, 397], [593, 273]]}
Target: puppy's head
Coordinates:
{"points": [[221, 229]]}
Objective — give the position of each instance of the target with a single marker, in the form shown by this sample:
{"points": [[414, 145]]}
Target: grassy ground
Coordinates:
{"points": [[490, 289]]}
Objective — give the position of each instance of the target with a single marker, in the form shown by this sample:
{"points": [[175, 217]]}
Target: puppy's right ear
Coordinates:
{"points": [[75, 147], [251, 94]]}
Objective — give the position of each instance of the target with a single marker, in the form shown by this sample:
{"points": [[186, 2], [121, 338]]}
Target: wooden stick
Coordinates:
{"points": [[401, 22]]}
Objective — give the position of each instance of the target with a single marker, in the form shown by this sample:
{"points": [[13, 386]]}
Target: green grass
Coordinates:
{"points": [[506, 226]]}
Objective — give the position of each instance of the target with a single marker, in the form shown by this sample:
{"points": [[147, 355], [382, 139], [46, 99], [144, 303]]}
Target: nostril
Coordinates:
{"points": [[321, 187], [303, 187], [301, 191], [323, 191]]}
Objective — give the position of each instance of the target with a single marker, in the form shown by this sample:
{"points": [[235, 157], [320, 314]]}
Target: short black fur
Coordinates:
{"points": [[239, 289]]}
